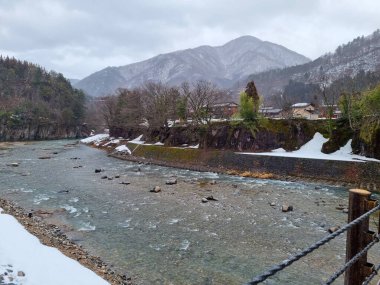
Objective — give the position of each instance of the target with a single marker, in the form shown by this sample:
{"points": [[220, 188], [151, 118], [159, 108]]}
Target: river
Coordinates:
{"points": [[172, 237]]}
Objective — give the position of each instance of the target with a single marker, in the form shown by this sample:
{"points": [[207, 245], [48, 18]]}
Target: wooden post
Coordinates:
{"points": [[357, 236]]}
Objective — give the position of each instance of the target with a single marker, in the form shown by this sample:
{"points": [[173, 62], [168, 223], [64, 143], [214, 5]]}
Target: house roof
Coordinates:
{"points": [[300, 105], [269, 110], [225, 104]]}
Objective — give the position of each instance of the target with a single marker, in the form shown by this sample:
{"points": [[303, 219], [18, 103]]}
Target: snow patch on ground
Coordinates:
{"points": [[194, 146], [137, 140], [312, 149], [112, 142], [42, 265], [97, 138], [123, 148]]}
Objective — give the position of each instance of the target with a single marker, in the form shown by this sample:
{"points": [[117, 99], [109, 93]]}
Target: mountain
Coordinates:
{"points": [[73, 81], [361, 54], [224, 65]]}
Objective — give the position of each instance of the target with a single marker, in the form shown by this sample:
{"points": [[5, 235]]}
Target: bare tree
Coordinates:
{"points": [[201, 98], [109, 111], [159, 104], [329, 97]]}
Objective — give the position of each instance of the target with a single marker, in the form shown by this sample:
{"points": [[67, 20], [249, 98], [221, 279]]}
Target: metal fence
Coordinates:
{"points": [[359, 240]]}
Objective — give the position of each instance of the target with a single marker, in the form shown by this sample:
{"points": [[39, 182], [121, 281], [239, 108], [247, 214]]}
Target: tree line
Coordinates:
{"points": [[158, 105]]}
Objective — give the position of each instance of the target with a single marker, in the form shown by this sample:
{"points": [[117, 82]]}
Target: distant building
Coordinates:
{"points": [[224, 110], [324, 111], [305, 111], [270, 112]]}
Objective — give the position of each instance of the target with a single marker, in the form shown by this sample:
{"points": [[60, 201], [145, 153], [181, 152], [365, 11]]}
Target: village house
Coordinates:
{"points": [[304, 110], [270, 112], [224, 110], [324, 111]]}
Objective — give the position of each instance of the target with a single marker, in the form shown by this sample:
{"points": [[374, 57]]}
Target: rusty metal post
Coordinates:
{"points": [[357, 236]]}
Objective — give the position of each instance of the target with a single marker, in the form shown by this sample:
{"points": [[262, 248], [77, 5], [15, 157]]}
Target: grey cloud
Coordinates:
{"points": [[80, 37]]}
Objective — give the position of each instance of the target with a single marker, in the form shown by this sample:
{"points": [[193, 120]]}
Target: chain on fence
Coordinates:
{"points": [[284, 264]]}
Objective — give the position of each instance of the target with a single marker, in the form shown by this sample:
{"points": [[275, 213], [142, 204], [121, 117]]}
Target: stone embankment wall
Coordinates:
{"points": [[271, 134], [365, 175]]}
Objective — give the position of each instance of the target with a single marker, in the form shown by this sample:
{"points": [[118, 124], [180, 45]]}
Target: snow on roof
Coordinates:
{"points": [[41, 264], [300, 105], [269, 111], [225, 104]]}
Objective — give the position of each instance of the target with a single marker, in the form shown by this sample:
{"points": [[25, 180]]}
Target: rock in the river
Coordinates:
{"points": [[117, 176], [212, 182], [286, 208], [110, 178], [125, 183], [171, 181], [333, 229], [156, 189], [345, 210], [14, 164], [104, 177], [98, 170], [21, 274], [204, 200], [272, 204], [211, 198]]}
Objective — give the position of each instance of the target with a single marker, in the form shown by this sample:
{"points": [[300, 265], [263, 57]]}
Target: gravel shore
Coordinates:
{"points": [[51, 235]]}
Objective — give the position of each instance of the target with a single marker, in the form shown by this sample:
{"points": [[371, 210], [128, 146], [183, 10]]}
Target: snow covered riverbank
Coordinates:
{"points": [[24, 260], [312, 150]]}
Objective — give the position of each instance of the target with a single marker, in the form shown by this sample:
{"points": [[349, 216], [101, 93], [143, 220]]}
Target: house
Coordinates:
{"points": [[325, 109], [224, 110], [304, 110], [270, 112]]}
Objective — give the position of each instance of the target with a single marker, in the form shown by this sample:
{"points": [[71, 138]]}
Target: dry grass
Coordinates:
{"points": [[261, 175]]}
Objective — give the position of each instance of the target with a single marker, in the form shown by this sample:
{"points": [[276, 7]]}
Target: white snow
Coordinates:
{"points": [[112, 142], [97, 138], [299, 105], [123, 148], [137, 140], [41, 264], [194, 146], [312, 149], [158, 143]]}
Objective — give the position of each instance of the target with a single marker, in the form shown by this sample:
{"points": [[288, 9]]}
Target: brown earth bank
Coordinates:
{"points": [[52, 235]]}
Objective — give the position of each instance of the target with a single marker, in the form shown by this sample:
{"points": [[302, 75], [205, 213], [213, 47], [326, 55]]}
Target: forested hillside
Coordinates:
{"points": [[361, 54], [31, 97]]}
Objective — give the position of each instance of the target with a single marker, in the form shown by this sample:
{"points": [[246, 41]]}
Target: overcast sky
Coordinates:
{"points": [[79, 37]]}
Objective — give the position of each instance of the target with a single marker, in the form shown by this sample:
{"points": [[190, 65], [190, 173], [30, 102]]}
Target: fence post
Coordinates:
{"points": [[357, 236]]}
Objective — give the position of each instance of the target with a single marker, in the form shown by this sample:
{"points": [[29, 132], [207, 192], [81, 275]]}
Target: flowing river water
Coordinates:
{"points": [[172, 237]]}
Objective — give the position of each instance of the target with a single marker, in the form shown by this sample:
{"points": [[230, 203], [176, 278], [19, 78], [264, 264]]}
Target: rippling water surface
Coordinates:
{"points": [[171, 237]]}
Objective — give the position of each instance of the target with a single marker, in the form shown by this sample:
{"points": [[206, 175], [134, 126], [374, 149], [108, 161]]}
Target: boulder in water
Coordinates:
{"points": [[156, 189]]}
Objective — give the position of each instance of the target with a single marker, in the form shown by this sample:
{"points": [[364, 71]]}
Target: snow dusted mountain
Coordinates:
{"points": [[224, 65], [363, 53]]}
